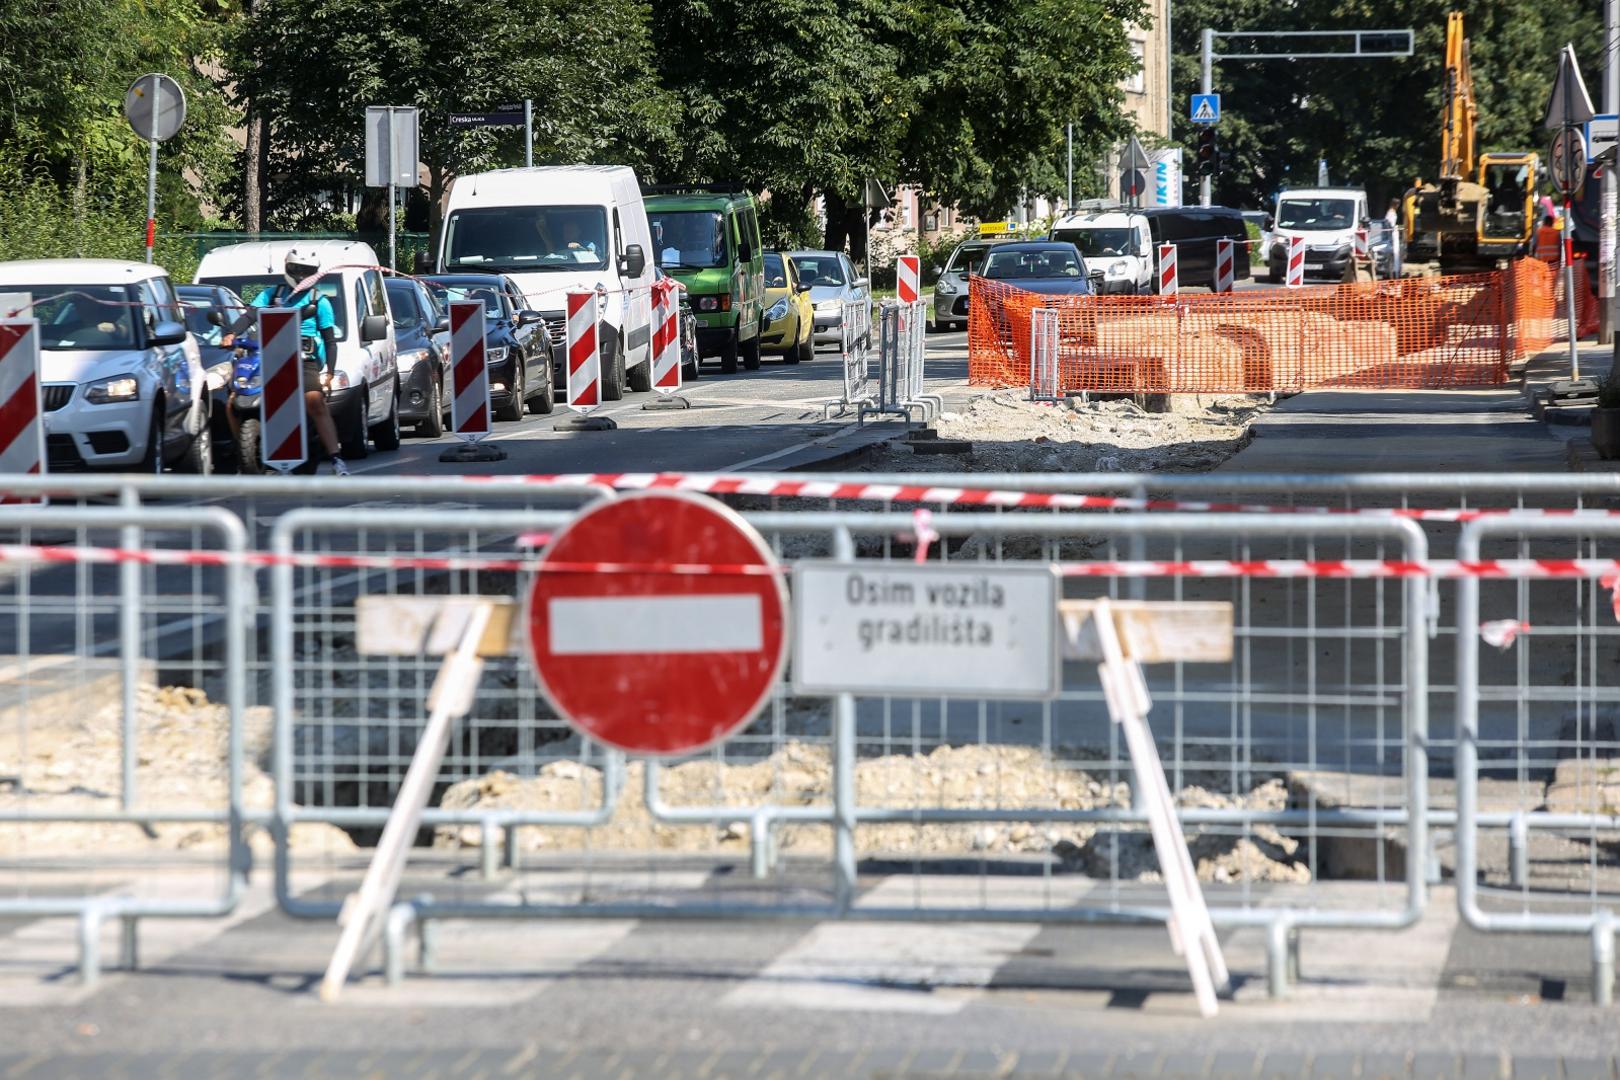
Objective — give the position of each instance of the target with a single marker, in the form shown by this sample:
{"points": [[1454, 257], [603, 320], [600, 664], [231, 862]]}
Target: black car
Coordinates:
{"points": [[422, 338], [1052, 267], [212, 311], [516, 345], [1194, 230]]}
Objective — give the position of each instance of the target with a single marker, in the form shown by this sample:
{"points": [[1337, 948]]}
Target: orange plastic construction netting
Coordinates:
{"points": [[1430, 333]]}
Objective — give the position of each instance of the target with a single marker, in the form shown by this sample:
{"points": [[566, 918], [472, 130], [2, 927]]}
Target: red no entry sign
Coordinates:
{"points": [[657, 622]]}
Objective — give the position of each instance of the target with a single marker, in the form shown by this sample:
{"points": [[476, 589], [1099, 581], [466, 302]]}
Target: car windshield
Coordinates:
{"points": [[527, 239], [83, 316], [1318, 215], [1032, 265], [775, 270], [1099, 243], [819, 271], [688, 239], [489, 294], [402, 302], [198, 305], [967, 259], [265, 291]]}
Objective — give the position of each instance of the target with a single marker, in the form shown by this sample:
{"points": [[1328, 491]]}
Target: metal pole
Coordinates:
{"points": [[151, 177], [1569, 248], [1611, 189], [1208, 85], [1069, 140], [1169, 71], [528, 133], [393, 174]]}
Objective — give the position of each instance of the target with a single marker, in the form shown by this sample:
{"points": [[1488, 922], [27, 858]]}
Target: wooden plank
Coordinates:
{"points": [[432, 625], [1151, 632]]}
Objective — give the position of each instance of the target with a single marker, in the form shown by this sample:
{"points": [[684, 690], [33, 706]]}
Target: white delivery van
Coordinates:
{"points": [[364, 396], [1326, 219], [1117, 246], [556, 230]]}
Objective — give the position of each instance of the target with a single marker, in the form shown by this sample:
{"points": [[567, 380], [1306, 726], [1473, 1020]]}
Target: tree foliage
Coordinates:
{"points": [[1377, 122]]}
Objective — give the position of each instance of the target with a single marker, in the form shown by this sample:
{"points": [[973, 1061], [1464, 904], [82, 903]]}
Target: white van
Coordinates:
{"points": [[555, 230], [1117, 245], [364, 397], [1327, 219]]}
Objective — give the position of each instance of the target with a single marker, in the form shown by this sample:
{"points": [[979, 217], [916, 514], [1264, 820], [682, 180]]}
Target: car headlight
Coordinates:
{"points": [[340, 380], [107, 391], [714, 303], [409, 358], [777, 310], [829, 307], [1118, 269], [219, 375], [495, 354], [945, 287]]}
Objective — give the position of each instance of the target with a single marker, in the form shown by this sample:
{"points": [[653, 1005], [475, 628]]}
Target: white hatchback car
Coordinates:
{"points": [[121, 381]]}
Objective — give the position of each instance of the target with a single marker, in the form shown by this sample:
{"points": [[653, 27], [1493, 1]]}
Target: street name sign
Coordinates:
{"points": [[925, 629]]}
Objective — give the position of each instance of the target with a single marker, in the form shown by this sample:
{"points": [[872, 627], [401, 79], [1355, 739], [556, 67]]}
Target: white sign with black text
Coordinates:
{"points": [[925, 629]]}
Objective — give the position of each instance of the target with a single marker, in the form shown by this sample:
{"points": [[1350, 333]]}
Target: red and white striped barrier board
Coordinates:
{"points": [[666, 337], [1361, 242], [584, 358], [281, 366], [22, 433], [1167, 270], [1296, 262], [1225, 265], [469, 372], [908, 279]]}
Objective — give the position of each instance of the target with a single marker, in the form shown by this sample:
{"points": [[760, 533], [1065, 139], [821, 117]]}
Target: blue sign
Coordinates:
{"points": [[1206, 108]]}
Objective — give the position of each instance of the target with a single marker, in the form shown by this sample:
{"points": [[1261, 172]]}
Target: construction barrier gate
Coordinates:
{"points": [[1408, 333]]}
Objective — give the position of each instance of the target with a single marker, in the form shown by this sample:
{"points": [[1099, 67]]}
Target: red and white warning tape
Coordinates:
{"points": [[838, 491]]}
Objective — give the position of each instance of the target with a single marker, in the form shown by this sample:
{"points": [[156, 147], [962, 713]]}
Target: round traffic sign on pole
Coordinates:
{"points": [[1566, 161], [657, 622], [155, 106]]}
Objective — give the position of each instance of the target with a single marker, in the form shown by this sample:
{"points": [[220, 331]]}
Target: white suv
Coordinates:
{"points": [[121, 381], [364, 397]]}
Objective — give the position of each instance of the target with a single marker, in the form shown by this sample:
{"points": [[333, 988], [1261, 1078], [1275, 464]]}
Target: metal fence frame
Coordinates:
{"points": [[902, 340], [1045, 381]]}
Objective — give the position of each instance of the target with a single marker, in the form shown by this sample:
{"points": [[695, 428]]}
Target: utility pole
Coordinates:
{"points": [[1069, 205], [528, 133], [1606, 240], [1207, 87]]}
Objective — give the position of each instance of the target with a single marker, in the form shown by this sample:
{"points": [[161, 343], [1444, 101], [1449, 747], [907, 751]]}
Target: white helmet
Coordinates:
{"points": [[300, 265]]}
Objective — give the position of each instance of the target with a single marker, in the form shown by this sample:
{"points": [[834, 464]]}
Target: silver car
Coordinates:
{"points": [[951, 290], [122, 383], [832, 280]]}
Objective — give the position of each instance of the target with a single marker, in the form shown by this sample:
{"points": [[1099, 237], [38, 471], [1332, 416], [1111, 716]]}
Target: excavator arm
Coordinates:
{"points": [[1459, 112]]}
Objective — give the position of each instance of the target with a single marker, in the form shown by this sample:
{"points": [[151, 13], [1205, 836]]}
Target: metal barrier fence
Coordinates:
{"points": [[1045, 381], [1306, 800], [855, 345], [902, 347], [1412, 332]]}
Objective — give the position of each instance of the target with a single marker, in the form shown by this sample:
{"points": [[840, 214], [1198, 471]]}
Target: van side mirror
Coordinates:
{"points": [[633, 263], [167, 333], [373, 328], [1270, 223], [422, 263]]}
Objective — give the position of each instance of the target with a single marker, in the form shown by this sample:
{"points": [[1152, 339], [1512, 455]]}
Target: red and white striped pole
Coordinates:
{"points": [[22, 433], [1296, 262], [583, 356], [282, 439], [470, 413], [1225, 265], [1167, 270], [666, 347], [1361, 241], [908, 279]]}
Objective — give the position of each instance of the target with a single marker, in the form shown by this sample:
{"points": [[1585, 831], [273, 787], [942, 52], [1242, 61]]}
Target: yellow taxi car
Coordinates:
{"points": [[790, 318]]}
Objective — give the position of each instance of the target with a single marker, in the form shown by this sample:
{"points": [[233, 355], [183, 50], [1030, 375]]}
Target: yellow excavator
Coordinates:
{"points": [[1474, 215]]}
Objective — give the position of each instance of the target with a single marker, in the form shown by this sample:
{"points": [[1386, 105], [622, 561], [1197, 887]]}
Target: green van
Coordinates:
{"points": [[707, 238]]}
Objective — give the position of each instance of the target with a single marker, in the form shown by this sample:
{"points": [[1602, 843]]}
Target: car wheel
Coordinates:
{"points": [[693, 371], [807, 347], [750, 354], [547, 401], [248, 454], [351, 429], [640, 377], [199, 459], [153, 461], [728, 356], [386, 434], [513, 409], [432, 425], [612, 374]]}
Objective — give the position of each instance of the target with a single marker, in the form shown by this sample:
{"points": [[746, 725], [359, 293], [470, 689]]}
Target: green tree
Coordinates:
{"points": [[310, 67]]}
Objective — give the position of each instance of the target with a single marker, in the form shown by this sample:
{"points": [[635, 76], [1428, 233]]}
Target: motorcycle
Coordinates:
{"points": [[246, 405]]}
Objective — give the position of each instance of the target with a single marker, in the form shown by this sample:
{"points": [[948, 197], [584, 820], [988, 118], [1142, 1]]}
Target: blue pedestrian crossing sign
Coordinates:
{"points": [[1206, 108]]}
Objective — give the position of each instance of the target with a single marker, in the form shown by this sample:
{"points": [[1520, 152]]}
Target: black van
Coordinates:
{"points": [[1194, 230]]}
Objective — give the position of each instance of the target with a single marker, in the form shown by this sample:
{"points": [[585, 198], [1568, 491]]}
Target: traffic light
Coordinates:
{"points": [[1209, 155]]}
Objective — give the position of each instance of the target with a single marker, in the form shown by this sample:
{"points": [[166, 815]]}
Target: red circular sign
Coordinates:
{"points": [[657, 622]]}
